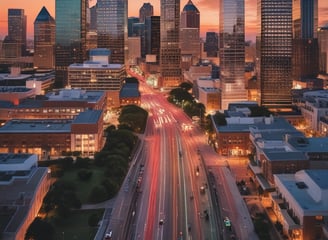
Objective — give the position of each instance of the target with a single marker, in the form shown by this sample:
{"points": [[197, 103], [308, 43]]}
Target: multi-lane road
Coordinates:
{"points": [[166, 194]]}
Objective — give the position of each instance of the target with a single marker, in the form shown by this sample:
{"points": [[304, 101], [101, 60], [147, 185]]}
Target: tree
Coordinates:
{"points": [[186, 86], [39, 230], [219, 119], [98, 194]]}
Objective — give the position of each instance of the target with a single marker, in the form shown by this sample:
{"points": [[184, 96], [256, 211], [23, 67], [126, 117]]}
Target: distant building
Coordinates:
{"points": [[14, 44], [134, 44], [211, 46], [53, 137], [44, 40], [152, 36], [305, 40], [232, 52], [23, 187], [300, 203], [170, 54], [274, 54], [71, 23], [131, 22], [323, 48], [112, 26], [145, 11], [189, 35], [98, 75]]}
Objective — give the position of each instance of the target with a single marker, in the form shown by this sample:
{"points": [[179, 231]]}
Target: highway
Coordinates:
{"points": [[166, 194]]}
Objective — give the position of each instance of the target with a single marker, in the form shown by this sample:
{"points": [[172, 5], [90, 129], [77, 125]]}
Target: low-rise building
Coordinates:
{"points": [[301, 204], [51, 137], [315, 107], [210, 97], [61, 104], [23, 185]]}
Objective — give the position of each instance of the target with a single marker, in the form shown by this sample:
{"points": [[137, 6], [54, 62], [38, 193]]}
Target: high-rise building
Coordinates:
{"points": [[71, 22], [190, 16], [146, 10], [305, 43], [112, 17], [93, 18], [274, 53], [152, 36], [44, 40], [211, 46], [323, 48], [189, 35], [170, 54], [15, 41], [131, 22], [232, 51]]}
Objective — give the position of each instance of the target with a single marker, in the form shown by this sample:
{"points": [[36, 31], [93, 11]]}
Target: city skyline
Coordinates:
{"points": [[209, 11]]}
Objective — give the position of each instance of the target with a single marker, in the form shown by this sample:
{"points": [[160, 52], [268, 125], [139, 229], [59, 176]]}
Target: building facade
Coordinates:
{"points": [[53, 137], [71, 23], [146, 10], [211, 45], [170, 54], [112, 28], [14, 44], [23, 187], [305, 41], [274, 53], [189, 34], [44, 40], [232, 51], [152, 36], [323, 49]]}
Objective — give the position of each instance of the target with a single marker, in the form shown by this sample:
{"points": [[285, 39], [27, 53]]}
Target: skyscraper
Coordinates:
{"points": [[274, 53], [170, 55], [15, 42], [323, 47], [232, 51], [305, 42], [44, 40], [189, 35], [112, 18], [152, 36], [146, 10], [211, 46], [71, 22]]}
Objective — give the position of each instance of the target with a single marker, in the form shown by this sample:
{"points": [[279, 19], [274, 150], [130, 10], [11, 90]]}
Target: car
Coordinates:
{"points": [[161, 222], [108, 235]]}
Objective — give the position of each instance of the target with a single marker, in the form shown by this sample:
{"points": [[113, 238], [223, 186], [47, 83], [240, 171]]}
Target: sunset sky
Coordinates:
{"points": [[208, 13]]}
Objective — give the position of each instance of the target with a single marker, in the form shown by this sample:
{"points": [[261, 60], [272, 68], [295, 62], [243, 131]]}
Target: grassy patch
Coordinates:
{"points": [[76, 226], [83, 188]]}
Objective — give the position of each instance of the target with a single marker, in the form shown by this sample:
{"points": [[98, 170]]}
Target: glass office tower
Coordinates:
{"points": [[170, 55], [146, 10], [70, 36], [15, 42], [305, 41], [232, 51], [274, 53], [112, 28]]}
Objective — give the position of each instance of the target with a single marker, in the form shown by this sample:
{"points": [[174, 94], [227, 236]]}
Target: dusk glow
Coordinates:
{"points": [[209, 10]]}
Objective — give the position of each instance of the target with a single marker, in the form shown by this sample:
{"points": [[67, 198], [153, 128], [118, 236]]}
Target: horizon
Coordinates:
{"points": [[208, 8]]}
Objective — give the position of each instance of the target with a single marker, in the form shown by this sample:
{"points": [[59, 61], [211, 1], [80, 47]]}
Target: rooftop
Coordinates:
{"points": [[308, 189], [36, 126], [89, 116]]}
